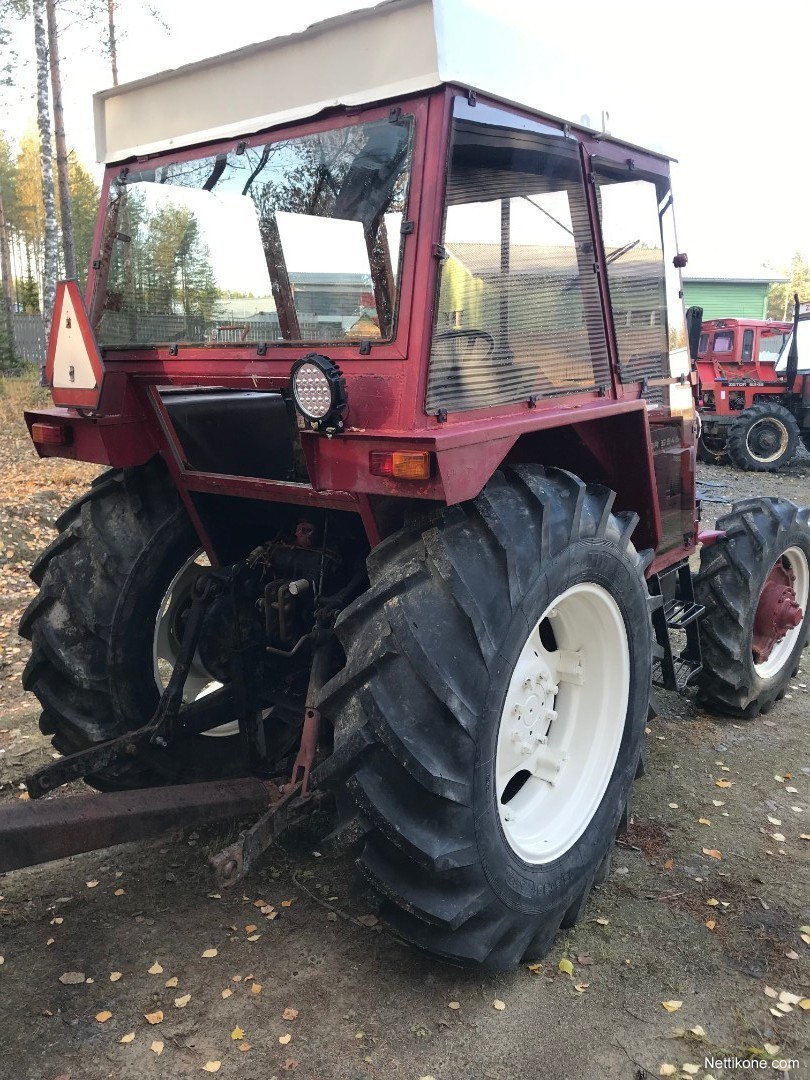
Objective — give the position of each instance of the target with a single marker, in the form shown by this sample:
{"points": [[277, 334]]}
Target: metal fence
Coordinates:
{"points": [[29, 338]]}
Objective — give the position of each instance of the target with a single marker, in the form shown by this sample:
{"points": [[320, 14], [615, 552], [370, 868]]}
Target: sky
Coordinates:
{"points": [[718, 84]]}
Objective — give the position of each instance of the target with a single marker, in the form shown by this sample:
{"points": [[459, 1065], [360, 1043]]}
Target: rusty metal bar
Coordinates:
{"points": [[38, 832]]}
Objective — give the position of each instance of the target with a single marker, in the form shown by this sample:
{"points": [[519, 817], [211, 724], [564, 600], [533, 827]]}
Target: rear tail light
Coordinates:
{"points": [[400, 464], [51, 434]]}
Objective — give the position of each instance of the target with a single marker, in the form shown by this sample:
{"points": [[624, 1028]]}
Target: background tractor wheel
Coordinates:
{"points": [[114, 587], [490, 717], [763, 438], [755, 585], [712, 449]]}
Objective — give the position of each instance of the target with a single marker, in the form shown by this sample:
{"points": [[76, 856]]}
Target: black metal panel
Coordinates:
{"points": [[234, 432]]}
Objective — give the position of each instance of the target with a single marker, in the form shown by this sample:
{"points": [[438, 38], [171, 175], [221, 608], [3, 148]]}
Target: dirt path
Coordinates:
{"points": [[673, 923]]}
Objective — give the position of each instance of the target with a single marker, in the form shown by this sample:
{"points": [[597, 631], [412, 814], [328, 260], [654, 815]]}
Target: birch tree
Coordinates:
{"points": [[46, 160], [65, 211]]}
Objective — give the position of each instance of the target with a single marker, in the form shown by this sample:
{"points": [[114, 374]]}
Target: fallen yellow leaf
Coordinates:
{"points": [[237, 1034], [244, 1047], [770, 992], [566, 966], [212, 1066], [712, 902], [157, 1047], [771, 1048], [804, 1004], [580, 987], [287, 903], [498, 1005], [154, 1017], [115, 976], [209, 953], [535, 969], [602, 922], [128, 1037], [665, 1069], [91, 884], [290, 1014], [251, 928], [103, 1016], [253, 937], [723, 783], [119, 892], [710, 924], [690, 1069], [182, 1001], [170, 983], [256, 988], [226, 993], [713, 853], [284, 1039], [703, 821], [672, 1006], [454, 1005], [156, 969]]}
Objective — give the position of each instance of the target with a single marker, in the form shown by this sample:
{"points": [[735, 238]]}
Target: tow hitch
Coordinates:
{"points": [[31, 834]]}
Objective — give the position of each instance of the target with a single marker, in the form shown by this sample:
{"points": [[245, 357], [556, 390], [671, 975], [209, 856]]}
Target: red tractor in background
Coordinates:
{"points": [[748, 415], [418, 532]]}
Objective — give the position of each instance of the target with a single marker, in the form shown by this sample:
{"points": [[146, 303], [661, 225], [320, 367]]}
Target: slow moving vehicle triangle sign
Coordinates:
{"points": [[74, 369]]}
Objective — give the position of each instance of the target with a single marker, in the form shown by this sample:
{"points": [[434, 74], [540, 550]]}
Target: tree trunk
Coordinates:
{"points": [[7, 298], [46, 160], [61, 146], [113, 52]]}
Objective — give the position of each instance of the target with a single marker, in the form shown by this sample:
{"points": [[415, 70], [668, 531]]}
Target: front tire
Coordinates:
{"points": [[763, 438], [438, 653], [767, 543]]}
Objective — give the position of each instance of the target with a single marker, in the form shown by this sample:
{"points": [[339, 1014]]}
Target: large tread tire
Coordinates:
{"points": [[100, 585], [429, 652], [739, 450], [732, 573]]}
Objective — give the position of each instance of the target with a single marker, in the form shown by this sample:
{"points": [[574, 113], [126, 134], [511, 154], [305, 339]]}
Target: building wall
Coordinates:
{"points": [[723, 299]]}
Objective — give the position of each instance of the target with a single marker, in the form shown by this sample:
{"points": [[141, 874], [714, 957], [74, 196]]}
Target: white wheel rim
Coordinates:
{"points": [[780, 653], [562, 724], [784, 439], [165, 647]]}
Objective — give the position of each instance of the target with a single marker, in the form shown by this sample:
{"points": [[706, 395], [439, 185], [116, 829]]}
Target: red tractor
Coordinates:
{"points": [[397, 504], [748, 415]]}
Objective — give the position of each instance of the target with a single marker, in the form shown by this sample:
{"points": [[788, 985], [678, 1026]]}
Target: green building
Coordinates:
{"points": [[726, 296]]}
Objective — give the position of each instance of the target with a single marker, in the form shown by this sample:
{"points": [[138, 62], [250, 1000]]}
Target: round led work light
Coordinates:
{"points": [[319, 391]]}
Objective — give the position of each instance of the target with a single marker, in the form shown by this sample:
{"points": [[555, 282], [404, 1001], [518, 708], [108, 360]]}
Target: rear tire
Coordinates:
{"points": [[759, 534], [431, 655], [763, 438], [92, 624]]}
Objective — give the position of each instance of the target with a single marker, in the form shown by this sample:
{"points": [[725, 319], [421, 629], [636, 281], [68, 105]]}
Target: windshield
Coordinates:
{"points": [[770, 345], [296, 240], [803, 347]]}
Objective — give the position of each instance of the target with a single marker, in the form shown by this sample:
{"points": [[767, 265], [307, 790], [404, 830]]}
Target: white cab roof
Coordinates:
{"points": [[396, 48]]}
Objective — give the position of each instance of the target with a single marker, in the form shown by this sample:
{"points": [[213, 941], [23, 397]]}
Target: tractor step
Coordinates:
{"points": [[680, 613], [675, 611], [684, 672]]}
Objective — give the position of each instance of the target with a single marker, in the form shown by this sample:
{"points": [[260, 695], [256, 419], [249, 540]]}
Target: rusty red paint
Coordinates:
{"points": [[710, 536], [386, 390], [777, 611]]}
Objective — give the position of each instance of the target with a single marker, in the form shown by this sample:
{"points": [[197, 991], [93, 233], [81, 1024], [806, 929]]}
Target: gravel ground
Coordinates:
{"points": [[321, 992]]}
